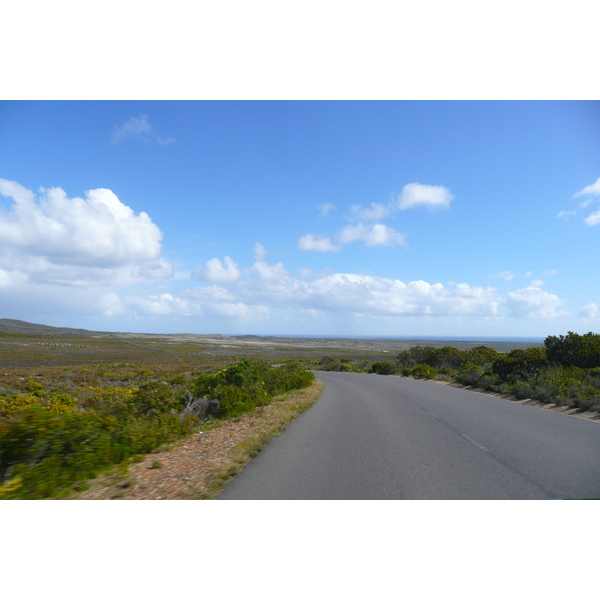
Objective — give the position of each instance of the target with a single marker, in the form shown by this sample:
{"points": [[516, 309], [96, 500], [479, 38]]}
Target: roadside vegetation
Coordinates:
{"points": [[60, 427], [565, 372], [75, 406]]}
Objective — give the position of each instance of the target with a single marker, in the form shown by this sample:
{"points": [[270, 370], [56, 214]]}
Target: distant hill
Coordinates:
{"points": [[16, 326]]}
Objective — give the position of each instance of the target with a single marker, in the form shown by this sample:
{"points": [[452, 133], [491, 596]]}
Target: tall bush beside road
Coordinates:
{"points": [[573, 350], [245, 385]]}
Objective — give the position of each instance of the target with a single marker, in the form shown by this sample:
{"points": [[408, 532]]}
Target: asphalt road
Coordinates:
{"points": [[378, 437]]}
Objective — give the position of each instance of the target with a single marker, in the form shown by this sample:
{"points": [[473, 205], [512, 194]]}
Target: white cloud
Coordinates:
{"points": [[325, 209], [593, 219], [431, 196], [566, 214], [375, 213], [70, 256], [506, 275], [215, 272], [533, 303], [259, 251], [161, 304], [346, 293], [591, 311], [536, 283], [317, 243], [591, 190], [138, 127], [549, 273], [307, 273], [273, 285], [98, 231], [373, 235], [527, 274]]}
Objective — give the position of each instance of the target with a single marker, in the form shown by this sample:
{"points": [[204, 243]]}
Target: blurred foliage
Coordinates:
{"points": [[50, 441]]}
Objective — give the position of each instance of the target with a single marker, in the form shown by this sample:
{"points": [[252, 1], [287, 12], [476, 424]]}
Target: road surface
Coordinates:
{"points": [[378, 437]]}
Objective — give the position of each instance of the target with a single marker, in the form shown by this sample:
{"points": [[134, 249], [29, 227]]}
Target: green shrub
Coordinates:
{"points": [[469, 374], [241, 387], [488, 381], [383, 368], [574, 350], [42, 454], [424, 372], [543, 391], [480, 355], [521, 390], [52, 402], [523, 365], [447, 371]]}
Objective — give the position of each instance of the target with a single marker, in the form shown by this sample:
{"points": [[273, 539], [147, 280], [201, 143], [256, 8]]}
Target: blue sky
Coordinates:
{"points": [[449, 218]]}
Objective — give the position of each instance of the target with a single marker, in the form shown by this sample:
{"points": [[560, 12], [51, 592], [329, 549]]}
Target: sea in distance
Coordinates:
{"points": [[424, 338]]}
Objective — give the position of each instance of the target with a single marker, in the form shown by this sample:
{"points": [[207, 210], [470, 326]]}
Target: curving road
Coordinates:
{"points": [[377, 437]]}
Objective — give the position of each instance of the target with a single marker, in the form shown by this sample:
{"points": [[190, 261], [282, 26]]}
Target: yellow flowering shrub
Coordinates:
{"points": [[57, 404]]}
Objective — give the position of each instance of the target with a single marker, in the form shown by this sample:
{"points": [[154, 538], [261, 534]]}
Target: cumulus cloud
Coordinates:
{"points": [[214, 271], [325, 209], [272, 286], [591, 311], [533, 303], [203, 302], [317, 243], [590, 190], [593, 219], [266, 285], [140, 128], [431, 196], [373, 235], [98, 231], [375, 213], [93, 246]]}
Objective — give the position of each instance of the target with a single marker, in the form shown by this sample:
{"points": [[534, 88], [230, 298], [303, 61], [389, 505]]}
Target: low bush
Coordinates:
{"points": [[43, 454], [53, 402], [49, 442], [488, 381], [424, 372], [521, 390], [383, 368], [241, 387], [469, 374]]}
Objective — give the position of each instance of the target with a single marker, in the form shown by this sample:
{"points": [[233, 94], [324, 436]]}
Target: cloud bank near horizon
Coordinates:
{"points": [[96, 256]]}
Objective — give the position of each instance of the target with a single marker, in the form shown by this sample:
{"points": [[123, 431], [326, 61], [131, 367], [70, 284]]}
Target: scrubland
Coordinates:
{"points": [[74, 405]]}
